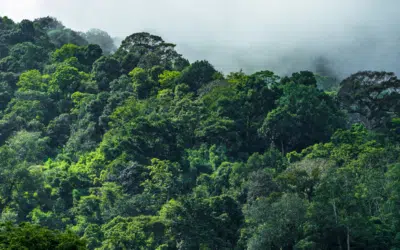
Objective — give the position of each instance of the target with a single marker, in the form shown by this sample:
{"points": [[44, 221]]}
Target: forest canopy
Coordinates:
{"points": [[137, 148]]}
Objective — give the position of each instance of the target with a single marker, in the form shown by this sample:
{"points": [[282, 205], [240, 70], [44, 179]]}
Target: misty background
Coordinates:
{"points": [[279, 35]]}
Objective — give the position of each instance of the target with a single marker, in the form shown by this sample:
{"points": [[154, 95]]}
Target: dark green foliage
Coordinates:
{"points": [[142, 150], [27, 56], [203, 223], [61, 36], [102, 38], [146, 51], [304, 116], [105, 70], [371, 98], [48, 23], [197, 74], [304, 77], [27, 236]]}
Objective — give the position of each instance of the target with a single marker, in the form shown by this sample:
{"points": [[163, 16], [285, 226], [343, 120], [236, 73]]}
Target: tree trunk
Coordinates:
{"points": [[348, 238], [336, 220], [334, 212]]}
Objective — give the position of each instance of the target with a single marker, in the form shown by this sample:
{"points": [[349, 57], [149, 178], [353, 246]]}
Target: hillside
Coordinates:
{"points": [[137, 148]]}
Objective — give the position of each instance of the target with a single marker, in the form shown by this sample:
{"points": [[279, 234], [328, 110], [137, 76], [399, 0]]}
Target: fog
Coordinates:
{"points": [[279, 35]]}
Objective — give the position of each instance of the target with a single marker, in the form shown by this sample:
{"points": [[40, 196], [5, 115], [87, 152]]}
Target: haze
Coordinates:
{"points": [[279, 35]]}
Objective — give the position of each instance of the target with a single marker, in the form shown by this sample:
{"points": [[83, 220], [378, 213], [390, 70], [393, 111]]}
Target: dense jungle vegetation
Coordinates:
{"points": [[136, 148]]}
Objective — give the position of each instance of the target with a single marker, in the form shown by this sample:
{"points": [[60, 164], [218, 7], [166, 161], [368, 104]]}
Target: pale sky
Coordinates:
{"points": [[280, 35]]}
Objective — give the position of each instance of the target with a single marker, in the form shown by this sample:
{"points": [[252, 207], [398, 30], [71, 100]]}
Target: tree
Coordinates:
{"points": [[143, 86], [142, 40], [306, 78], [346, 209], [66, 79], [48, 23], [371, 97], [27, 236], [209, 223], [146, 50], [28, 56], [29, 146], [168, 78], [105, 70], [62, 36], [260, 184], [143, 232], [197, 74], [131, 177], [304, 116], [58, 130], [32, 80], [164, 180], [86, 55], [13, 175], [276, 225], [102, 38]]}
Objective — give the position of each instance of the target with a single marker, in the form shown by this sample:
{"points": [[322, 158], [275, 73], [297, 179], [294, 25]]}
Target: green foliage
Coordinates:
{"points": [[102, 38], [143, 232], [143, 86], [168, 78], [60, 36], [277, 224], [32, 80], [142, 150], [303, 117], [371, 98], [146, 51], [65, 52], [105, 70], [164, 180], [29, 146], [306, 78], [203, 223], [27, 236], [28, 56], [197, 74]]}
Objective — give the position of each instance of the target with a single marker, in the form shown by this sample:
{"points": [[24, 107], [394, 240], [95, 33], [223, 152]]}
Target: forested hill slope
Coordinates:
{"points": [[136, 148]]}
